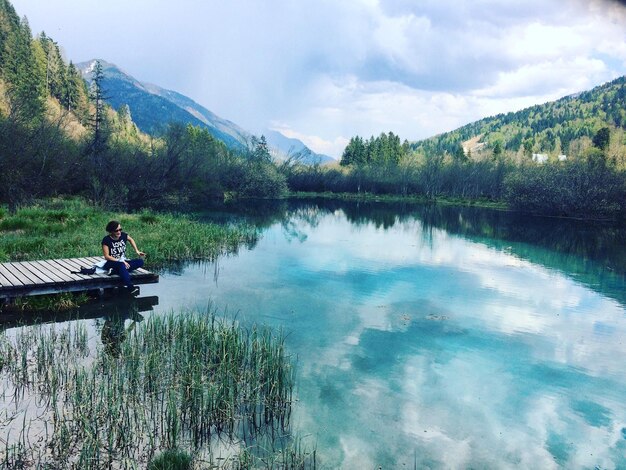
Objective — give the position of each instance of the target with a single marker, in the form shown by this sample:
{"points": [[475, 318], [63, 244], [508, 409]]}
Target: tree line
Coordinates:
{"points": [[591, 184]]}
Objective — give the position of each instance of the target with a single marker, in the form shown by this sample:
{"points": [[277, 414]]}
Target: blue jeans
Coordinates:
{"points": [[119, 267]]}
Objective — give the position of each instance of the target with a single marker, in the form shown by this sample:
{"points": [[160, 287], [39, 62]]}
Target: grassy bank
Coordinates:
{"points": [[65, 228]]}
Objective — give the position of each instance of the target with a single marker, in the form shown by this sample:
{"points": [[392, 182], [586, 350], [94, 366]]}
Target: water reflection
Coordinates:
{"points": [[114, 330], [441, 337], [592, 252], [108, 307]]}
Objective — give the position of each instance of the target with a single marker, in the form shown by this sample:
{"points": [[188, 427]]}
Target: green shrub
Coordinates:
{"points": [[573, 189]]}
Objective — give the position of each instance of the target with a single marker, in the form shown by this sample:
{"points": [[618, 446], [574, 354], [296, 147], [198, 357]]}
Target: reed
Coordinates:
{"points": [[185, 382]]}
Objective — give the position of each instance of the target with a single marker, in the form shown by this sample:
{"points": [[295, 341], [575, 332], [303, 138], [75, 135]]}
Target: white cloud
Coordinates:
{"points": [[546, 80]]}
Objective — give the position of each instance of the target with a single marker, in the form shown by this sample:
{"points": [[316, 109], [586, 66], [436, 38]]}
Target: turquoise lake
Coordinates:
{"points": [[428, 336], [435, 337]]}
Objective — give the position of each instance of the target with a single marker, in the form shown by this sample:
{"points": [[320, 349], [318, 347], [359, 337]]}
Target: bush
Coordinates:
{"points": [[256, 179], [574, 189]]}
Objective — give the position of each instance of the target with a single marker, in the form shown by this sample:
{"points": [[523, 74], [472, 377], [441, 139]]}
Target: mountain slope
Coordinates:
{"points": [[153, 108], [547, 128]]}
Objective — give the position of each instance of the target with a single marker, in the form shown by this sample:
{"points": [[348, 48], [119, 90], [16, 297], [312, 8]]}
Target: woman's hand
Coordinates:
{"points": [[141, 253]]}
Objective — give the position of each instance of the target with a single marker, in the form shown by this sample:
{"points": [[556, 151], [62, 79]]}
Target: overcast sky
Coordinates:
{"points": [[327, 70]]}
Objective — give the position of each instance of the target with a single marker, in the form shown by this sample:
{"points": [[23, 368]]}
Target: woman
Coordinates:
{"points": [[114, 250]]}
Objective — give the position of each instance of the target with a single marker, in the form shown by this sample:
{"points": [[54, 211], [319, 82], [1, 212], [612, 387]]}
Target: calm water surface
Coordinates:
{"points": [[435, 337]]}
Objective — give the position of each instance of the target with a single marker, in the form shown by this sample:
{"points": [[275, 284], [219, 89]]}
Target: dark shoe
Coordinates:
{"points": [[133, 290]]}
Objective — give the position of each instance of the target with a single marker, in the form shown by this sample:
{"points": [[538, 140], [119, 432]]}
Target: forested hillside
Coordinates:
{"points": [[563, 127]]}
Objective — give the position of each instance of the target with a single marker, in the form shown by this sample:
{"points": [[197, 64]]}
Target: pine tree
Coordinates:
{"points": [[98, 119], [24, 76], [9, 23], [602, 138], [354, 153], [56, 72], [261, 152], [75, 93]]}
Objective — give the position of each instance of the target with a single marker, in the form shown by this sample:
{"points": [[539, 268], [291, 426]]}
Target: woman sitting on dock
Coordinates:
{"points": [[114, 250]]}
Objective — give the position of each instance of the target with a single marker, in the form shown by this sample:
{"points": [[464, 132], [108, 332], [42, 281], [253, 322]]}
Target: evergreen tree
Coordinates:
{"points": [[602, 139], [354, 153], [25, 77], [459, 154], [497, 150], [9, 23], [75, 94], [98, 119], [56, 72], [261, 152]]}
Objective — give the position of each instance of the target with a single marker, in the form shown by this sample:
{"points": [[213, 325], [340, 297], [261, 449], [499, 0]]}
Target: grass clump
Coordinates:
{"points": [[190, 382], [171, 459], [67, 228]]}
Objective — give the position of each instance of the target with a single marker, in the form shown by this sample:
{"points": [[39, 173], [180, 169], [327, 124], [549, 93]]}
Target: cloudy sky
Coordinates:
{"points": [[326, 70]]}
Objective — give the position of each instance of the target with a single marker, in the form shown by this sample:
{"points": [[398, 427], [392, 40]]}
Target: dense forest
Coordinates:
{"points": [[59, 137]]}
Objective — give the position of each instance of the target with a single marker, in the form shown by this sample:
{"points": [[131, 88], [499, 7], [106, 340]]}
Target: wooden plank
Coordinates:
{"points": [[77, 263], [4, 281], [36, 272], [9, 275], [61, 273], [68, 268], [24, 274], [54, 274]]}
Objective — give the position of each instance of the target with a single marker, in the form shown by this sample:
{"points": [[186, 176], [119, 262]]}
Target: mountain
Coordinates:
{"points": [[553, 127], [288, 146], [153, 108]]}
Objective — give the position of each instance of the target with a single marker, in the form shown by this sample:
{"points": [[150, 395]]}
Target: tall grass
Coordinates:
{"points": [[65, 228], [191, 382]]}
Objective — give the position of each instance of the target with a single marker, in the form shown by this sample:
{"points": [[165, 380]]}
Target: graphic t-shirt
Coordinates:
{"points": [[117, 248]]}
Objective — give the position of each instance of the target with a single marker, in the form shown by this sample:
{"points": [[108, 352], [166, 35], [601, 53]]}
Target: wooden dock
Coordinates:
{"points": [[24, 278]]}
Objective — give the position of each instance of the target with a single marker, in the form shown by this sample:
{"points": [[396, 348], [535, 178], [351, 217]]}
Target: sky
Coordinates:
{"points": [[324, 71]]}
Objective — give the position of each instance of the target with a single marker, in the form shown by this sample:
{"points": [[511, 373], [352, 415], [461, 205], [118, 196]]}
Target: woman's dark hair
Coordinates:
{"points": [[111, 226]]}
